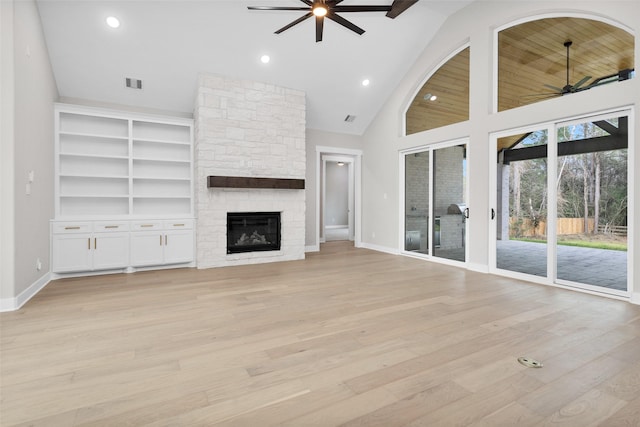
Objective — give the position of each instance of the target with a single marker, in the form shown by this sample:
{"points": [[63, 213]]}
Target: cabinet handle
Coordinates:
{"points": [[178, 225], [95, 243], [72, 228], [161, 240], [111, 226], [165, 240], [146, 225], [89, 243]]}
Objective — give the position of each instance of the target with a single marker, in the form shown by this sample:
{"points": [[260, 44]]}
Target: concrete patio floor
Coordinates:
{"points": [[597, 267]]}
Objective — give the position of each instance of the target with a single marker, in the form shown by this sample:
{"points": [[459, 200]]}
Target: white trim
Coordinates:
{"points": [[336, 226], [12, 304], [477, 267], [635, 298], [378, 248], [312, 248]]}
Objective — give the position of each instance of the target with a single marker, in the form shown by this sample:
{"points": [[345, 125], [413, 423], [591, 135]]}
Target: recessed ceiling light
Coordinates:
{"points": [[113, 22], [430, 97], [365, 82], [265, 59]]}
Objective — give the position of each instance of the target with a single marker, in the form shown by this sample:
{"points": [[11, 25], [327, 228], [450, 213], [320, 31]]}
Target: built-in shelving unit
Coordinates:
{"points": [[116, 163], [115, 169]]}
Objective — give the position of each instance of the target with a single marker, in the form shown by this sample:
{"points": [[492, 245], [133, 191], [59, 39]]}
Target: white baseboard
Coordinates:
{"points": [[336, 226], [385, 249], [12, 304], [312, 248], [480, 268], [635, 298]]}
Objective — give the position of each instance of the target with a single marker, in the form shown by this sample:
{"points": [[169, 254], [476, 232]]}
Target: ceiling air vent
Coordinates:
{"points": [[133, 83], [349, 118]]}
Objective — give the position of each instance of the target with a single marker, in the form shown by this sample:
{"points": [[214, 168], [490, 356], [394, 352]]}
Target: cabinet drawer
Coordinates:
{"points": [[146, 225], [72, 227], [178, 224], [110, 226]]}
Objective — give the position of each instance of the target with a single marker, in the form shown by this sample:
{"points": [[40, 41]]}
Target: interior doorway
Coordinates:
{"points": [[338, 197]]}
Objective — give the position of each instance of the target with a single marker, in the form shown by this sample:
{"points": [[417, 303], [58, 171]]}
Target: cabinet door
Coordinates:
{"points": [[146, 248], [110, 250], [71, 252], [178, 246]]}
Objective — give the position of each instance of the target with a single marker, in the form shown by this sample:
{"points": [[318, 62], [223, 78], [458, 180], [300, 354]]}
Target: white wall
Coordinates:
{"points": [[35, 92], [314, 139], [7, 254], [475, 25]]}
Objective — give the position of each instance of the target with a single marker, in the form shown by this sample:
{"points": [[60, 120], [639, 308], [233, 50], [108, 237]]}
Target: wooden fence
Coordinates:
{"points": [[564, 226]]}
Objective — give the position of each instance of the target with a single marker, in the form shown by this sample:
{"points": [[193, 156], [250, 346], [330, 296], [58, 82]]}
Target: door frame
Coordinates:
{"points": [[552, 172]]}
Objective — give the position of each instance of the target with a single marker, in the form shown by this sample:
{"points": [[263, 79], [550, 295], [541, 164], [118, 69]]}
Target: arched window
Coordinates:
{"points": [[532, 59], [443, 99]]}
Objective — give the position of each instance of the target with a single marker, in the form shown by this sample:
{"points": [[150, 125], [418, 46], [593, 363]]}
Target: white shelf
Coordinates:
{"points": [[148, 159], [95, 135], [158, 141], [94, 156], [116, 163], [94, 196], [78, 175]]}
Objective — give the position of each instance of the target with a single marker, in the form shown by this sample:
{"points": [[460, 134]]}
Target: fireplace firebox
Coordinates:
{"points": [[253, 231]]}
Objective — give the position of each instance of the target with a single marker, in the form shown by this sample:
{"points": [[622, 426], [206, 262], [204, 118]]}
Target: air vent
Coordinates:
{"points": [[349, 118], [133, 83]]}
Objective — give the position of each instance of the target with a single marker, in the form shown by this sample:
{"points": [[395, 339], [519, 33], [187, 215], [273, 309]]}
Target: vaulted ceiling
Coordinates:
{"points": [[166, 43]]}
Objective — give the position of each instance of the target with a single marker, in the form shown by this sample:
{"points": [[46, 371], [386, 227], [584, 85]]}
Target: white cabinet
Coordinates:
{"points": [[113, 171], [87, 246], [161, 242]]}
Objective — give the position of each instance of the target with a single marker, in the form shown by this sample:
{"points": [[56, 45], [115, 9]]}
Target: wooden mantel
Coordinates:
{"points": [[249, 182]]}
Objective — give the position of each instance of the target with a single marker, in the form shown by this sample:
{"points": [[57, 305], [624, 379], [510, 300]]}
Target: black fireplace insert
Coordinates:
{"points": [[253, 231]]}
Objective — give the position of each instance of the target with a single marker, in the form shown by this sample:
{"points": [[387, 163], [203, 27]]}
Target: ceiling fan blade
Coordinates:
{"points": [[296, 22], [340, 20], [399, 6], [276, 8], [581, 82], [542, 94], [361, 8], [307, 2], [557, 89], [319, 25]]}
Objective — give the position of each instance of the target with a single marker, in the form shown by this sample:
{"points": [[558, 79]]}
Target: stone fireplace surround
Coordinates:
{"points": [[255, 130]]}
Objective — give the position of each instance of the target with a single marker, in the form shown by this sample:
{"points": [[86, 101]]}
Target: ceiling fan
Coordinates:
{"points": [[330, 8], [566, 89]]}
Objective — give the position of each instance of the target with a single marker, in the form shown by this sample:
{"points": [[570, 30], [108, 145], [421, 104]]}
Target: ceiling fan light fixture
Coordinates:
{"points": [[320, 10]]}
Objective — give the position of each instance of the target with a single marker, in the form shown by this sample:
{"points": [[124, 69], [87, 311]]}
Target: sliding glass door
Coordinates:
{"points": [[435, 201], [521, 211], [592, 196], [561, 203]]}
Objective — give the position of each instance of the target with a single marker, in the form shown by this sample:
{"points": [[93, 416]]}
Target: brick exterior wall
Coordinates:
{"points": [[251, 129]]}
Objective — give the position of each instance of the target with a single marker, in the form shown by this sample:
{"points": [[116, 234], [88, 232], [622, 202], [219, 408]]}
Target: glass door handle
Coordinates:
{"points": [[466, 213], [493, 213]]}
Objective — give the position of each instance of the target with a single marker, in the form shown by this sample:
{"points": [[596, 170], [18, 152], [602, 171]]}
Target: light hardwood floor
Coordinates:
{"points": [[347, 337]]}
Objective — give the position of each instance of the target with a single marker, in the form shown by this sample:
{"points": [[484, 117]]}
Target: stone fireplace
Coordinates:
{"points": [[247, 131]]}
